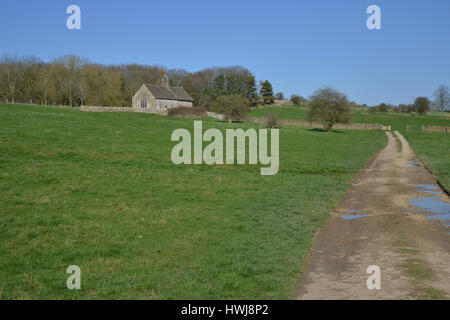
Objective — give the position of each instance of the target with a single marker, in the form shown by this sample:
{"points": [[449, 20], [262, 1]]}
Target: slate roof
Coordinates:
{"points": [[169, 93]]}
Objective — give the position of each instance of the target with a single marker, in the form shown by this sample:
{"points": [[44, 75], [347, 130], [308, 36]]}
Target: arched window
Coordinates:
{"points": [[144, 103]]}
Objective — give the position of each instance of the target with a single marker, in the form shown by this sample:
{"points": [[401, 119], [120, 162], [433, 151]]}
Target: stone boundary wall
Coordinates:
{"points": [[282, 103], [215, 115], [122, 109], [435, 129]]}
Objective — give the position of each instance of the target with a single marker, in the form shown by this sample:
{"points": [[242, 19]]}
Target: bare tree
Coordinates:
{"points": [[82, 90], [279, 96], [442, 98], [13, 67], [69, 76], [176, 76], [2, 82], [29, 76], [45, 81], [135, 75]]}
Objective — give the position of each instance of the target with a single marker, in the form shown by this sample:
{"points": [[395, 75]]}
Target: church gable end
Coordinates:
{"points": [[144, 99]]}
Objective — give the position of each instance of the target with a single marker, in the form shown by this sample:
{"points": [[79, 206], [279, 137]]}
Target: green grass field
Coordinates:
{"points": [[399, 121], [284, 113], [431, 148], [99, 190]]}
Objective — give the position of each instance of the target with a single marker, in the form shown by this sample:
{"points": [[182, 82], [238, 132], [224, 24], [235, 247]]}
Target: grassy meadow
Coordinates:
{"points": [[432, 148], [99, 190], [284, 112]]}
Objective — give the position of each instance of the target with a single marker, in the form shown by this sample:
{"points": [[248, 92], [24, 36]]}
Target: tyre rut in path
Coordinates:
{"points": [[394, 216]]}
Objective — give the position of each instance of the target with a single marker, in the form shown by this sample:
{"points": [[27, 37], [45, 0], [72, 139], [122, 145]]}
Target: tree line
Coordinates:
{"points": [[73, 81], [329, 106], [421, 105]]}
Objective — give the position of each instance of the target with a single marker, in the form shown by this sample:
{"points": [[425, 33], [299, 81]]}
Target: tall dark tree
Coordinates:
{"points": [[251, 91], [267, 92], [232, 86], [219, 85]]}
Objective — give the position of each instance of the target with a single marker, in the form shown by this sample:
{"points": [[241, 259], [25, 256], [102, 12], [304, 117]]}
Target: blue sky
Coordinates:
{"points": [[297, 45]]}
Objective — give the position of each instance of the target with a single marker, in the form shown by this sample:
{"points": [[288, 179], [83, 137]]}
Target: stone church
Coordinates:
{"points": [[160, 98]]}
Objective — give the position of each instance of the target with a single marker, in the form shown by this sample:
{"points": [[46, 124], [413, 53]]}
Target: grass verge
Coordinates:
{"points": [[432, 148]]}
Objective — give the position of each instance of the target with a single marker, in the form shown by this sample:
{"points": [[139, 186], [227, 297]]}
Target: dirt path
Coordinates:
{"points": [[380, 222]]}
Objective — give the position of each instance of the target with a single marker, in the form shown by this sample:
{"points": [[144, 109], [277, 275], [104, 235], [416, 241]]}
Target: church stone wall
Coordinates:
{"points": [[122, 109], [187, 104], [166, 104], [142, 94]]}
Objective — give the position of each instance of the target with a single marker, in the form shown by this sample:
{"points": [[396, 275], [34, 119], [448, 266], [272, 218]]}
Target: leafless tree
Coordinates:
{"points": [[82, 90], [69, 76], [12, 74], [29, 76], [442, 98], [45, 81]]}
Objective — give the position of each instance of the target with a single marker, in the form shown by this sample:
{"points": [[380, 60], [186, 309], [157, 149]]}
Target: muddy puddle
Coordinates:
{"points": [[432, 204], [352, 215], [412, 163]]}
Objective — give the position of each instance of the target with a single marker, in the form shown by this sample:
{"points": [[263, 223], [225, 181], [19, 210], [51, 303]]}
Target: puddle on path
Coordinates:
{"points": [[413, 163], [432, 204], [428, 188], [436, 208], [353, 216]]}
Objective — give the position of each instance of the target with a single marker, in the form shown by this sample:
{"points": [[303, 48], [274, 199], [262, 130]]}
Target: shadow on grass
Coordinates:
{"points": [[234, 121], [323, 130]]}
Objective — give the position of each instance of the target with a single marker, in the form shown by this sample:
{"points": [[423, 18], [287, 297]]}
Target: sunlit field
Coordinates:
{"points": [[99, 190]]}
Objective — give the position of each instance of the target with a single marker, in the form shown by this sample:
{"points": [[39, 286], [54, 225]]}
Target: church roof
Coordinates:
{"points": [[168, 93]]}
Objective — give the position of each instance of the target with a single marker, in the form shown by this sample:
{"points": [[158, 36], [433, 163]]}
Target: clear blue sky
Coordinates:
{"points": [[298, 45]]}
